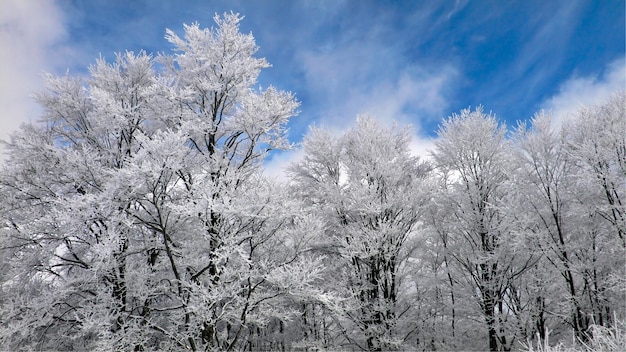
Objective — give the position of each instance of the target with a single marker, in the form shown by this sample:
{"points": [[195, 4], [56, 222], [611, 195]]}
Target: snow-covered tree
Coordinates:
{"points": [[137, 218], [546, 180], [570, 184], [365, 186], [597, 145], [471, 156]]}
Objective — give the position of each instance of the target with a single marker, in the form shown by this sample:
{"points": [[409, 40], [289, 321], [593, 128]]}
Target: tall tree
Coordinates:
{"points": [[365, 185], [567, 182], [547, 169], [597, 140], [78, 242], [137, 217], [597, 145], [471, 155]]}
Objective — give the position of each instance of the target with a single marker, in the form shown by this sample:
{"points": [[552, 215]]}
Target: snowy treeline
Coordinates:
{"points": [[137, 217]]}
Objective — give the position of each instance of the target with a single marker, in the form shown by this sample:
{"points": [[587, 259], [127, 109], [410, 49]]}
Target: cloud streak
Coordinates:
{"points": [[413, 62], [586, 90], [365, 79]]}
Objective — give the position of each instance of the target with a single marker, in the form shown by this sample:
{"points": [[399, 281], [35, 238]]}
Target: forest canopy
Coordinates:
{"points": [[136, 216]]}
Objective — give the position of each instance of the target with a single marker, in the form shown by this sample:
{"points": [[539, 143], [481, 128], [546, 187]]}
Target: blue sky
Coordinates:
{"points": [[410, 61]]}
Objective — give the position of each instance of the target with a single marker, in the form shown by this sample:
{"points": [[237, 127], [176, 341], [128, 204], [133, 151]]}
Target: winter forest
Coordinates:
{"points": [[137, 217]]}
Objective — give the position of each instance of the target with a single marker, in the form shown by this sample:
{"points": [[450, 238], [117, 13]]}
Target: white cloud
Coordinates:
{"points": [[369, 78], [405, 99], [588, 90], [276, 167], [32, 33], [422, 147]]}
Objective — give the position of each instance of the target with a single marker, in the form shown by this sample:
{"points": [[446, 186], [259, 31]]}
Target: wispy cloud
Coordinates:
{"points": [[542, 54], [33, 35], [276, 167], [413, 62], [363, 70], [458, 6], [586, 90]]}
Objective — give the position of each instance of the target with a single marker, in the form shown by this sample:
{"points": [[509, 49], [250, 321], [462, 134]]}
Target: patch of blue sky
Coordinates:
{"points": [[411, 61]]}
